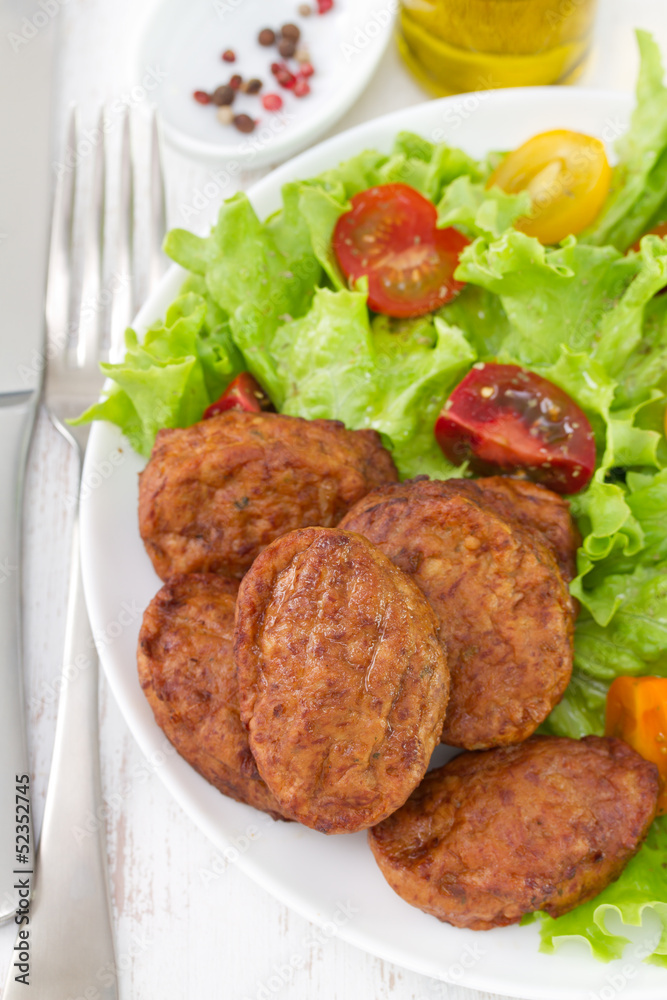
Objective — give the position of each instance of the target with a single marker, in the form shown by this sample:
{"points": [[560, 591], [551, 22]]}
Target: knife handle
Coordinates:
{"points": [[16, 421]]}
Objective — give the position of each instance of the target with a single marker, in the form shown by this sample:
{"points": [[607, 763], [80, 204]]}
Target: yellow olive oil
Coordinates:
{"points": [[455, 46]]}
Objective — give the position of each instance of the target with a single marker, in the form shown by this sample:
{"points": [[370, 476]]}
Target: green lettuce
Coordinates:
{"points": [[393, 376], [638, 198], [552, 297], [480, 212], [581, 709], [169, 379], [257, 273]]}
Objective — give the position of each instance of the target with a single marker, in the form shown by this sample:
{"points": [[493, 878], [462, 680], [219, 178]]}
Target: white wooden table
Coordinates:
{"points": [[181, 932]]}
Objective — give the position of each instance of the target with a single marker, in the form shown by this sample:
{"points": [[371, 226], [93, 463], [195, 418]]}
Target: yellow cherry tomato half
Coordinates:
{"points": [[567, 175]]}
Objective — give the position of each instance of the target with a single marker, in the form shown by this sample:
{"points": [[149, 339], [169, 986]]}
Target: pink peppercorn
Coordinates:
{"points": [[201, 97], [272, 102], [229, 55], [286, 79], [323, 6], [301, 89], [306, 69]]}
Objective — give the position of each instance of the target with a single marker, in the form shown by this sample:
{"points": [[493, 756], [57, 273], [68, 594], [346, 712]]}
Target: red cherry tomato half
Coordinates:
{"points": [[659, 230], [502, 418], [390, 236], [242, 393]]}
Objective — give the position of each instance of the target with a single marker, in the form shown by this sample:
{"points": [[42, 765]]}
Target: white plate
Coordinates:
{"points": [[334, 879], [180, 52]]}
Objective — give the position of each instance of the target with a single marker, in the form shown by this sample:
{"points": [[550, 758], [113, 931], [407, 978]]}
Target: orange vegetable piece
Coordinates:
{"points": [[659, 230], [637, 713]]}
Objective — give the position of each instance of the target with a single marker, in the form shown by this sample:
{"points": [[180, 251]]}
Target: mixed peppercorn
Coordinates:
{"points": [[295, 77]]}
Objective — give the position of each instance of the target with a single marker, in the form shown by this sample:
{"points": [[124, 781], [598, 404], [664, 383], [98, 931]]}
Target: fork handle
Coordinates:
{"points": [[71, 938]]}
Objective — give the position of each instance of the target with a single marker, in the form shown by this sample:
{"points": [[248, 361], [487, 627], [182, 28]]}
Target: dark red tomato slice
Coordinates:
{"points": [[242, 393], [390, 236], [502, 418], [659, 230]]}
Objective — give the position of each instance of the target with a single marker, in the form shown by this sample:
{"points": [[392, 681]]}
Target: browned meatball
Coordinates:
{"points": [[342, 678], [214, 495], [186, 669], [541, 826], [503, 606], [534, 508]]}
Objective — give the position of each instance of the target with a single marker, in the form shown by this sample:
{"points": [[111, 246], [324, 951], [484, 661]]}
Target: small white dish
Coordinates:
{"points": [[334, 881], [180, 49]]}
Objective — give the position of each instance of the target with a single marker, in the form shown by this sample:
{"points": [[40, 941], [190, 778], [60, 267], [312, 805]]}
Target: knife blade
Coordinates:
{"points": [[26, 85]]}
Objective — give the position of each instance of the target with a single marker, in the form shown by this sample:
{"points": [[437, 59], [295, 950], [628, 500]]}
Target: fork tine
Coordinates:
{"points": [[158, 219], [58, 287], [123, 301], [89, 324]]}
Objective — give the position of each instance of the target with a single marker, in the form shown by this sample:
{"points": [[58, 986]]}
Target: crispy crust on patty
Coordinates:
{"points": [[541, 826], [343, 681], [215, 494], [504, 609], [533, 508], [187, 673]]}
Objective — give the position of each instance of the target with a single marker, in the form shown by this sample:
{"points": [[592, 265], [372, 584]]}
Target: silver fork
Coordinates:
{"points": [[70, 931]]}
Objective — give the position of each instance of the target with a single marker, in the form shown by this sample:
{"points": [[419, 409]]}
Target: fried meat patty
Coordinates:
{"points": [[215, 494], [504, 609], [534, 508], [186, 670], [342, 678], [492, 835]]}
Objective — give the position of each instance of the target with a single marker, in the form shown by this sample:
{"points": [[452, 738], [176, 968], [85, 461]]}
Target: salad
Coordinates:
{"points": [[490, 284]]}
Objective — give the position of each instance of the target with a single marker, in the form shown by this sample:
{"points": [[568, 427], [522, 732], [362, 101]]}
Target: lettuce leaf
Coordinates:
{"points": [[581, 709], [170, 378], [479, 212], [638, 198], [552, 297], [256, 273], [393, 376]]}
